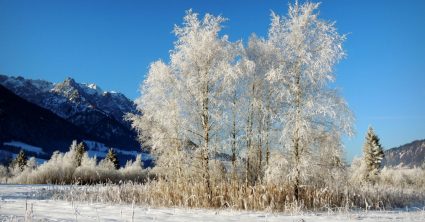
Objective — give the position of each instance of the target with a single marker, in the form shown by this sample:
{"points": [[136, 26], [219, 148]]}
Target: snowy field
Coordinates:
{"points": [[34, 203]]}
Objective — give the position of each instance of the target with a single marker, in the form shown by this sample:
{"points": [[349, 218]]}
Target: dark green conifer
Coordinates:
{"points": [[112, 157], [20, 160], [79, 152]]}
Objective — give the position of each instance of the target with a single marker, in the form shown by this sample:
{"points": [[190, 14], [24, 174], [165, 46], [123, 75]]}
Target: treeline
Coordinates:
{"points": [[72, 167]]}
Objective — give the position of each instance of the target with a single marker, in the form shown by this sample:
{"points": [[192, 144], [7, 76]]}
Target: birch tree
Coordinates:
{"points": [[188, 92], [235, 105], [159, 125], [261, 106], [311, 47], [199, 60]]}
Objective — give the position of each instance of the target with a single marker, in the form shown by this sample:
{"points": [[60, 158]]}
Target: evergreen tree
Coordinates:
{"points": [[79, 152], [373, 154], [20, 160], [112, 157]]}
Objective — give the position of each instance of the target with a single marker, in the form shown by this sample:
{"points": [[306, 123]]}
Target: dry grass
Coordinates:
{"points": [[322, 190], [270, 197]]}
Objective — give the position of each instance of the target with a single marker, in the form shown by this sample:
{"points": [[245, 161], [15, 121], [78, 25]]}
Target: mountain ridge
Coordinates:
{"points": [[97, 112], [407, 155], [21, 120]]}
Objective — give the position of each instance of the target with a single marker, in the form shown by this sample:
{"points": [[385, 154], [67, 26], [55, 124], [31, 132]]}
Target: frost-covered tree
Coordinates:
{"points": [[247, 100], [199, 60], [234, 106], [159, 126], [373, 154], [20, 161], [328, 158], [310, 48], [190, 88], [111, 156], [262, 105]]}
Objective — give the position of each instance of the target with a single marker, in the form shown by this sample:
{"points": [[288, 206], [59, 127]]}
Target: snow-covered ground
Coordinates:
{"points": [[100, 150], [93, 149], [34, 203], [25, 146]]}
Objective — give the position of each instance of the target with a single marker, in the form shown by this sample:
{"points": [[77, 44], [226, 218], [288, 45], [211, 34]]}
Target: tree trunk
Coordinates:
{"points": [[297, 169], [296, 138], [249, 135], [258, 174], [205, 150], [268, 116], [248, 150], [234, 139]]}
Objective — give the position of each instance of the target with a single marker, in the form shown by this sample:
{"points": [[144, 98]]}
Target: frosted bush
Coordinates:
{"points": [[133, 170], [62, 168], [277, 171], [87, 171], [403, 177], [357, 171]]}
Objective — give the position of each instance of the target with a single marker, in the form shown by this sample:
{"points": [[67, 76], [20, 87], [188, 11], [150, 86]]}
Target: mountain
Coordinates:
{"points": [[40, 117], [23, 121], [408, 155], [87, 106]]}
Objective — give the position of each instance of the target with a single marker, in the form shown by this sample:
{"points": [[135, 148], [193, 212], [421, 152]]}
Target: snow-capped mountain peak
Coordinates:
{"points": [[93, 89], [69, 97]]}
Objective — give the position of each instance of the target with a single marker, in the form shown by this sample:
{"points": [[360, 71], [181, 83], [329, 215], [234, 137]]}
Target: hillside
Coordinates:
{"points": [[98, 113], [408, 155], [41, 117], [23, 121]]}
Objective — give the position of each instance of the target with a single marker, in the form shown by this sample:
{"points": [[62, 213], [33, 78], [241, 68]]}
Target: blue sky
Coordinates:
{"points": [[112, 44]]}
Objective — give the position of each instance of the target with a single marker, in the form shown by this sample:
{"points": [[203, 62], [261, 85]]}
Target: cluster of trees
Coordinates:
{"points": [[74, 166], [271, 95]]}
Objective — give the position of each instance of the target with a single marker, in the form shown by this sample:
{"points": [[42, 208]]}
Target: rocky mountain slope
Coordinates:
{"points": [[87, 106], [41, 117], [23, 121], [407, 155]]}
